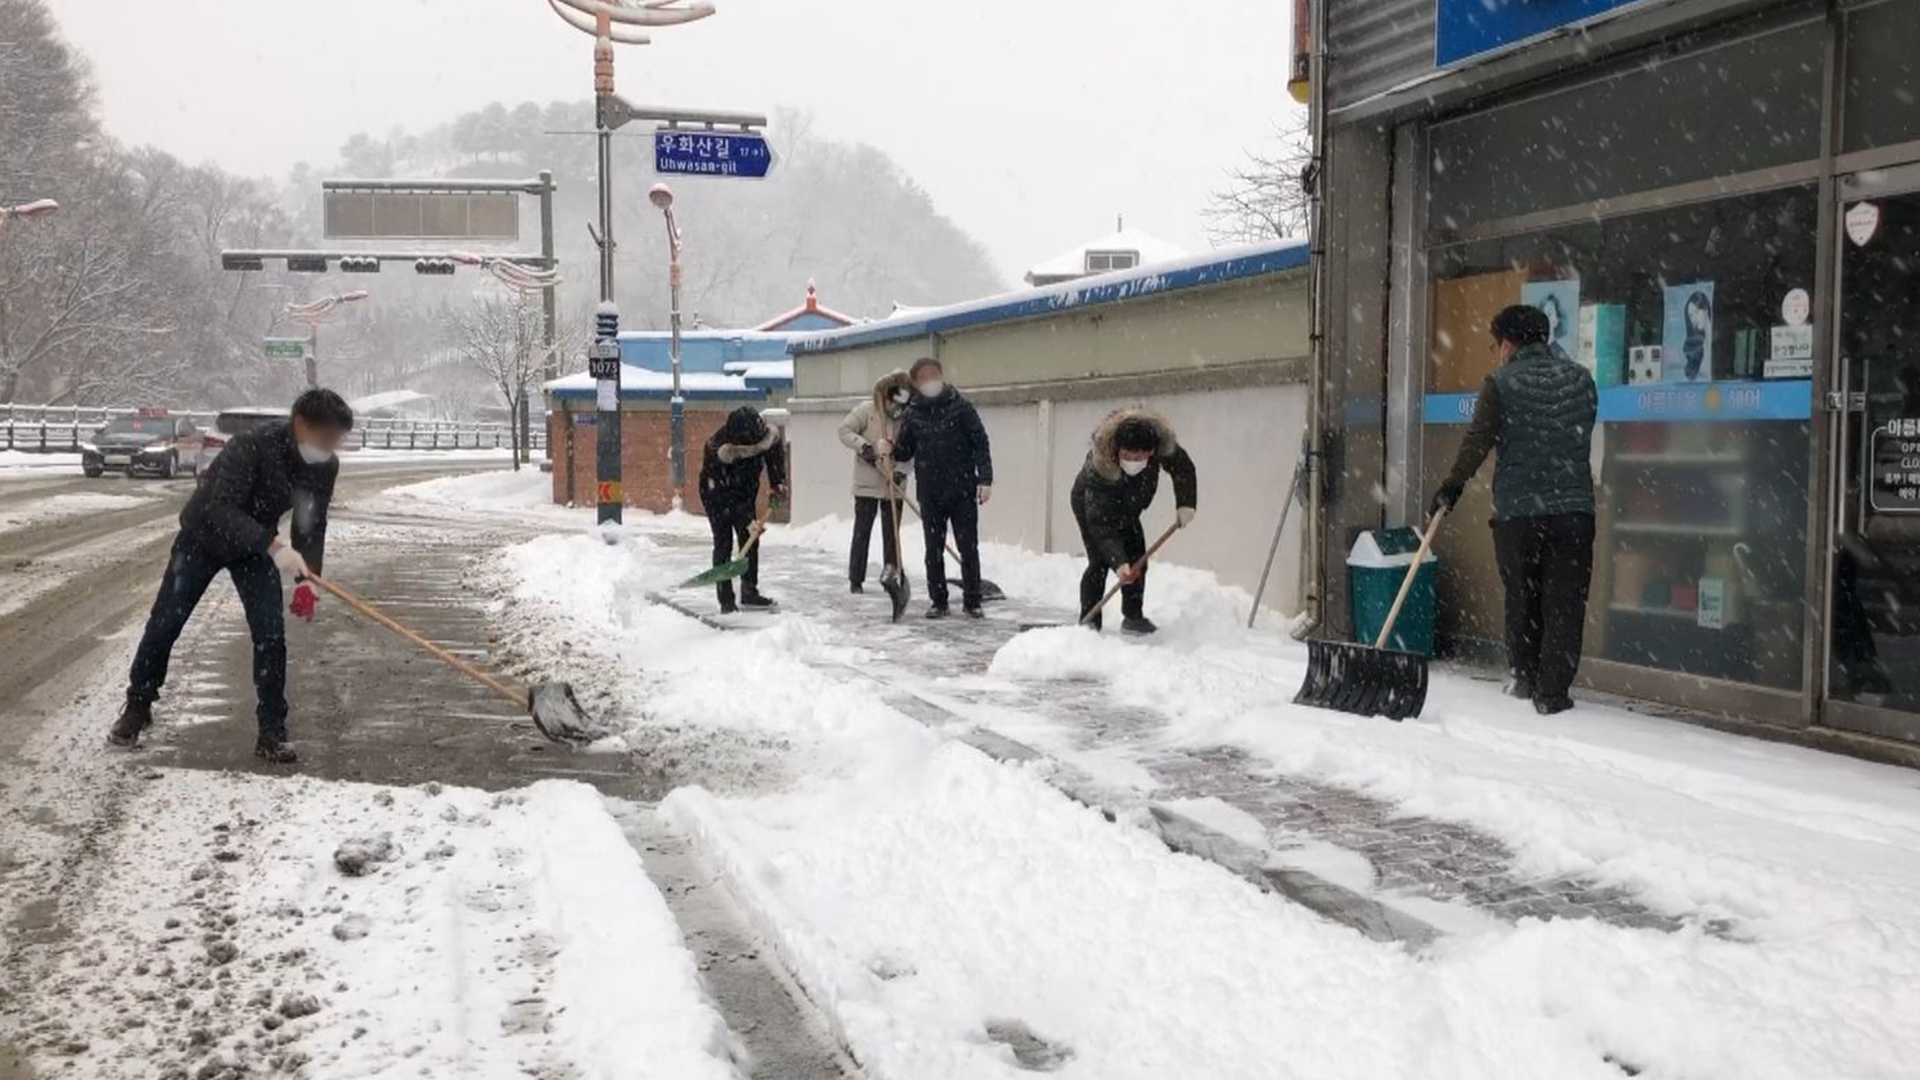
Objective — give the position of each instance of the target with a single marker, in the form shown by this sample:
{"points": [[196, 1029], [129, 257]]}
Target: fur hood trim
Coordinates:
{"points": [[731, 453], [1106, 456], [883, 402]]}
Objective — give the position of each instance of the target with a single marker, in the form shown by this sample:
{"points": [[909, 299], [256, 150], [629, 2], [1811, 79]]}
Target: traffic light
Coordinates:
{"points": [[240, 260], [433, 266], [307, 264], [359, 264]]}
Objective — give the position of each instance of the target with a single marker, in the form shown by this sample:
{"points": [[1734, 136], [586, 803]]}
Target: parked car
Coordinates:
{"points": [[233, 422], [155, 444]]}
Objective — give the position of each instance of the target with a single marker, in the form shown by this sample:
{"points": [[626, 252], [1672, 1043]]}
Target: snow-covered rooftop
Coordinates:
{"points": [[1212, 268], [644, 382], [1073, 262]]}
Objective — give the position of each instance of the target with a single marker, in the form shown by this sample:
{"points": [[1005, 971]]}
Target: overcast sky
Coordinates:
{"points": [[1031, 124]]}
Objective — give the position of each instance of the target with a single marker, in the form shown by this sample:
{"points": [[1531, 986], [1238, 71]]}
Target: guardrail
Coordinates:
{"points": [[56, 429]]}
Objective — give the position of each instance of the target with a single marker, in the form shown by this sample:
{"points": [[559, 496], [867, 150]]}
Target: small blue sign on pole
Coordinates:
{"points": [[741, 155]]}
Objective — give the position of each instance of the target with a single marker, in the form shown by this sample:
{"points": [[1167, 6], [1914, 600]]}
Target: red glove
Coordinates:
{"points": [[303, 601]]}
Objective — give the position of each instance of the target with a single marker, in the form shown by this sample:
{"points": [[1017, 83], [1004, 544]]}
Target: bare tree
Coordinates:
{"points": [[1263, 199], [502, 338]]}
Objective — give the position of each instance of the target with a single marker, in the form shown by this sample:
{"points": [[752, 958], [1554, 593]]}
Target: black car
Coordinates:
{"points": [[155, 445]]}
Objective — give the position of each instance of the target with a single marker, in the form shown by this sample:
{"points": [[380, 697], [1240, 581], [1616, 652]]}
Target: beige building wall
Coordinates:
{"points": [[1225, 365]]}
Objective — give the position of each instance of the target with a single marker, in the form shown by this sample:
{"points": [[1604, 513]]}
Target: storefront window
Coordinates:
{"points": [[1882, 100], [1733, 108], [1694, 322]]}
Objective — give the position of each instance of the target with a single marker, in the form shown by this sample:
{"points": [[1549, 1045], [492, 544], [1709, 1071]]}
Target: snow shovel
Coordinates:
{"points": [[737, 565], [1371, 680], [988, 590], [555, 711], [893, 578]]}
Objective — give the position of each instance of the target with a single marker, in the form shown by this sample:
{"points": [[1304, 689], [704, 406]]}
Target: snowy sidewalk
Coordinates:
{"points": [[1589, 896]]}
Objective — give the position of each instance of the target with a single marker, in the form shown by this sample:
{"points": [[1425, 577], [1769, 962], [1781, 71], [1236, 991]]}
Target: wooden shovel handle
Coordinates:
{"points": [[896, 496], [951, 550], [1139, 565], [753, 535], [518, 697], [1406, 583]]}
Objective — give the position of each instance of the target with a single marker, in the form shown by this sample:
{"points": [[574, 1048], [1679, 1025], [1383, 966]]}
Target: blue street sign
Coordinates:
{"points": [[742, 155]]}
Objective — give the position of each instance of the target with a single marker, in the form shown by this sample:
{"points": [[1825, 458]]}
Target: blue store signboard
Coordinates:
{"points": [[1779, 399], [1465, 29]]}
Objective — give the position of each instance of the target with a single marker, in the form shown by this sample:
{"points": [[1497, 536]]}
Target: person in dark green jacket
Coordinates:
{"points": [[1537, 409]]}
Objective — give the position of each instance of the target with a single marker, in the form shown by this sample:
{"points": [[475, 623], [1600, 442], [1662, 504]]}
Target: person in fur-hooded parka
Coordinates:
{"points": [[1116, 485], [730, 493], [868, 431]]}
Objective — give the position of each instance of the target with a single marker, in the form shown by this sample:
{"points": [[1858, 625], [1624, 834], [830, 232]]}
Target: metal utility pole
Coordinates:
{"points": [[610, 22], [662, 196]]}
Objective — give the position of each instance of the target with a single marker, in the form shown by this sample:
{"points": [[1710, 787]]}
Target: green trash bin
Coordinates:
{"points": [[1375, 568]]}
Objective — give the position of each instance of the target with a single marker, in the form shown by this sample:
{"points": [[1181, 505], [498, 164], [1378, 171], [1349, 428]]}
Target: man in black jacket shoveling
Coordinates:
{"points": [[1537, 408], [730, 493], [231, 523], [1116, 485], [953, 469]]}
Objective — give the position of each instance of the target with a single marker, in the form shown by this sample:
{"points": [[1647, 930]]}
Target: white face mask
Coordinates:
{"points": [[932, 387], [901, 397], [313, 455], [1133, 468]]}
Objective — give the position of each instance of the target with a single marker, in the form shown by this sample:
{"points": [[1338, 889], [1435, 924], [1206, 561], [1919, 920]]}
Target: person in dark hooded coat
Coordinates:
{"points": [[730, 493], [1130, 449], [941, 434]]}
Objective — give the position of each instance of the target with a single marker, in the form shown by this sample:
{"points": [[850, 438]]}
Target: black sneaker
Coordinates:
{"points": [[277, 751], [728, 607], [755, 600], [857, 588], [1519, 688], [135, 717], [1141, 626], [938, 611], [1548, 706], [975, 612]]}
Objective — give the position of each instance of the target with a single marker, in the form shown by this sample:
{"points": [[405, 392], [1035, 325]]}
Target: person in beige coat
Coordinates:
{"points": [[868, 431]]}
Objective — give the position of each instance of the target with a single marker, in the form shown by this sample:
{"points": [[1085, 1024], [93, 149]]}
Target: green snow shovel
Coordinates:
{"points": [[737, 565], [1371, 680]]}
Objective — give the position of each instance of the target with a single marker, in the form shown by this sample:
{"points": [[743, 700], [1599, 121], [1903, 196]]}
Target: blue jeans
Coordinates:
{"points": [[189, 571]]}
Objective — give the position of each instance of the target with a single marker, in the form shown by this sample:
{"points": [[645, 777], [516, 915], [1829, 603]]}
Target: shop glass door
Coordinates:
{"points": [[1873, 648]]}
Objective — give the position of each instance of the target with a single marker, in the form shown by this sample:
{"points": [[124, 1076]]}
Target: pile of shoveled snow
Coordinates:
{"points": [[334, 929]]}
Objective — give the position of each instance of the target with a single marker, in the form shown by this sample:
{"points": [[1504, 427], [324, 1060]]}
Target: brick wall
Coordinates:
{"points": [[646, 471]]}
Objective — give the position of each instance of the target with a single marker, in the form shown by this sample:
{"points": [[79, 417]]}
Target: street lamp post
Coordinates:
{"points": [[662, 196], [313, 313], [613, 22]]}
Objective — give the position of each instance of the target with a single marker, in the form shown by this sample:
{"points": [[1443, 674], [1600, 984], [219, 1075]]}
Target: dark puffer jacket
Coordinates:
{"points": [[947, 443], [237, 507], [730, 468], [1107, 502], [1538, 410]]}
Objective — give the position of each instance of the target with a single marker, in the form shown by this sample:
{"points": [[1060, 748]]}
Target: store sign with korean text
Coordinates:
{"points": [[1476, 29], [1894, 487], [739, 155]]}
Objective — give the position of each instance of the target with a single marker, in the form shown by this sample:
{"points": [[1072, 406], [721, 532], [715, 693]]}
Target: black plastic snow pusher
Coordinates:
{"points": [[1371, 680], [555, 711]]}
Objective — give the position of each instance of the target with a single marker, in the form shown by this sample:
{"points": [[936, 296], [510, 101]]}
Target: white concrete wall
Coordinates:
{"points": [[1244, 443]]}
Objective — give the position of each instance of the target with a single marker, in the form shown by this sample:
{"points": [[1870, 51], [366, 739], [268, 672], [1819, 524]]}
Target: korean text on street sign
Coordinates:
{"points": [[742, 155], [294, 349], [1896, 466], [603, 360]]}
